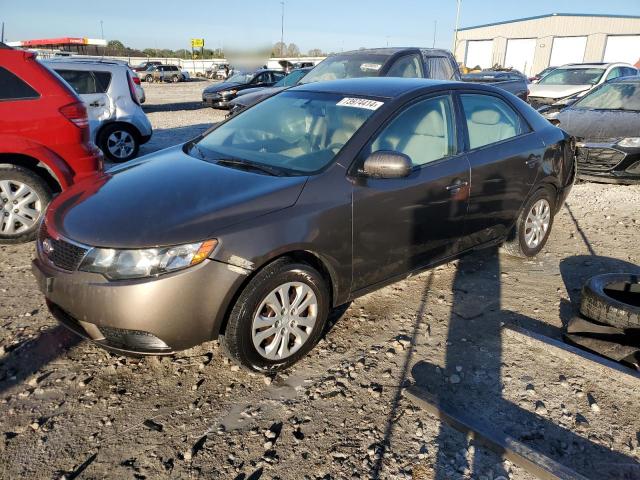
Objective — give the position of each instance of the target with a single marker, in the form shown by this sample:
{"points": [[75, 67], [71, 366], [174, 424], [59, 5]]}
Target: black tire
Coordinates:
{"points": [[38, 185], [148, 78], [175, 79], [516, 244], [237, 338], [107, 131], [612, 298]]}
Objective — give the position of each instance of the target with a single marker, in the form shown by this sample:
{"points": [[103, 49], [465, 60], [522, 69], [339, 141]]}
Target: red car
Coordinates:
{"points": [[44, 142]]}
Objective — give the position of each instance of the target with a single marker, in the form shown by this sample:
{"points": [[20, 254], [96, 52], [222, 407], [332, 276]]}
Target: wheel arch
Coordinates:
{"points": [[301, 256], [36, 166]]}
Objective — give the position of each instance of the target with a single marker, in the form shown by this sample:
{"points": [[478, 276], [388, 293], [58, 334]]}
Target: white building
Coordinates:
{"points": [[534, 43]]}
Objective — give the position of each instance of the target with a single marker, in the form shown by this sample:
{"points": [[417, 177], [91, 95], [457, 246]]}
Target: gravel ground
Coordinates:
{"points": [[72, 409]]}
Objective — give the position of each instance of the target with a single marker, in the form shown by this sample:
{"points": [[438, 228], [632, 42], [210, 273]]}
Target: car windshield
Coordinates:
{"points": [[572, 76], [293, 133], [240, 78], [346, 66], [612, 96], [291, 79]]}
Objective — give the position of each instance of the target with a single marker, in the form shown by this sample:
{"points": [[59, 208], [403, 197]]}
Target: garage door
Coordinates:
{"points": [[622, 48], [479, 53], [520, 54], [567, 50]]}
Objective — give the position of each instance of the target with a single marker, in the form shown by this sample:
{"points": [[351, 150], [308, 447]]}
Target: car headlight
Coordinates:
{"points": [[633, 142], [226, 93], [118, 264]]}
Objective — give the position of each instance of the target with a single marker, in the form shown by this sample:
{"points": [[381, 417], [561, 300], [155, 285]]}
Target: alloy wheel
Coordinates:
{"points": [[121, 144], [537, 223], [284, 320], [20, 207]]}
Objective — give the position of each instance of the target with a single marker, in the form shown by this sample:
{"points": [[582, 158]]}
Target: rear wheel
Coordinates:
{"points": [[148, 78], [175, 79], [533, 226], [278, 317], [23, 199], [119, 142]]}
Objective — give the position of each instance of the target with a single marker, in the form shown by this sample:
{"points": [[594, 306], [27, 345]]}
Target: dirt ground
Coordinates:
{"points": [[71, 409]]}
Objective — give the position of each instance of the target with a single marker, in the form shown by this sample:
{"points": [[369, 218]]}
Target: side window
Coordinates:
{"points": [[103, 79], [278, 76], [424, 131], [628, 71], [12, 88], [408, 66], [439, 68], [614, 73], [490, 120], [83, 82]]}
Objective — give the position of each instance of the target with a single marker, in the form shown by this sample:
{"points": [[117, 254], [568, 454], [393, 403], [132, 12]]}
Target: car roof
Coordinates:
{"points": [[79, 63], [595, 65], [385, 87]]}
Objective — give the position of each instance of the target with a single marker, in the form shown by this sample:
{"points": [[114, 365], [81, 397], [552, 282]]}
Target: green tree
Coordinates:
{"points": [[115, 45]]}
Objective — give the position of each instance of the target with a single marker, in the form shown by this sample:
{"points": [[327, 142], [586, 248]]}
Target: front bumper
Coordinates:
{"points": [[152, 316], [606, 162], [216, 102]]}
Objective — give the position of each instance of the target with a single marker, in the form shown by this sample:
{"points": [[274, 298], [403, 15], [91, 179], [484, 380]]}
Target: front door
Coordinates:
{"points": [[505, 157], [402, 224]]}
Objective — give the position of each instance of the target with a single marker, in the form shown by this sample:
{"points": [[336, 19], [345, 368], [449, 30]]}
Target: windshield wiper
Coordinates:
{"points": [[236, 162]]}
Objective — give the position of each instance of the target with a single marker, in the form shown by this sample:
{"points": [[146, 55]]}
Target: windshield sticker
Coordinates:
{"points": [[370, 66], [360, 103]]}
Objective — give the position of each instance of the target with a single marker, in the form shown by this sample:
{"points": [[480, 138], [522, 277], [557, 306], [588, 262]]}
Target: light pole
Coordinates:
{"points": [[101, 30], [435, 29], [455, 35], [282, 31]]}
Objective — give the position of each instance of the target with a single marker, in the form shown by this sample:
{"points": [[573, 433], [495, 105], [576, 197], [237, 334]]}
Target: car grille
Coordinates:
{"points": [[537, 102], [598, 160], [64, 255]]}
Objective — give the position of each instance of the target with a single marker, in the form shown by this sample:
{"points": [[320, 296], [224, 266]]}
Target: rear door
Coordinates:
{"points": [[505, 155], [402, 224], [92, 87]]}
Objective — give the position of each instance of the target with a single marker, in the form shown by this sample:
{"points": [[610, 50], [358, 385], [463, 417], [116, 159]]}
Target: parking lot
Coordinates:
{"points": [[70, 407]]}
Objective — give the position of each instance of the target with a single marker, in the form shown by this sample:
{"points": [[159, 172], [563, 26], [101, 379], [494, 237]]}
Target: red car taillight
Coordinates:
{"points": [[76, 113], [136, 79], [132, 88]]}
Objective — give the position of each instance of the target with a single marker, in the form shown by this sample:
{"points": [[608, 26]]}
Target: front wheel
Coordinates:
{"points": [[533, 226], [23, 199], [175, 79], [148, 78], [278, 317]]}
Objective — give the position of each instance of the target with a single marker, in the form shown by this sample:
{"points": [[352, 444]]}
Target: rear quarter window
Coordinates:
{"points": [[86, 82], [13, 88]]}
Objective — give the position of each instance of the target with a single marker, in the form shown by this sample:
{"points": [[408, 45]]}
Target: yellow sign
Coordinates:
{"points": [[197, 43]]}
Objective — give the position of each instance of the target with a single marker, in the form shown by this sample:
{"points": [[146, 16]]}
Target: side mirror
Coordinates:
{"points": [[386, 164]]}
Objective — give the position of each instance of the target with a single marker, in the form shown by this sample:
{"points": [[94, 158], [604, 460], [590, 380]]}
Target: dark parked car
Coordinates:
{"points": [[256, 229], [387, 62], [219, 95], [513, 82], [250, 96], [606, 124]]}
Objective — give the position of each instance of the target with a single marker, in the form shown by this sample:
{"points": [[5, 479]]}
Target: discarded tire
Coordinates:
{"points": [[612, 298]]}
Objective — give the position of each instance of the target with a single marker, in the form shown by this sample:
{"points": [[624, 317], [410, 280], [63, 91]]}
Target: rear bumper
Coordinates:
{"points": [[147, 316]]}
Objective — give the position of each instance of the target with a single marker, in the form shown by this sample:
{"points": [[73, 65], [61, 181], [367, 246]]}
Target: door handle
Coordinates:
{"points": [[96, 104], [532, 160], [456, 186]]}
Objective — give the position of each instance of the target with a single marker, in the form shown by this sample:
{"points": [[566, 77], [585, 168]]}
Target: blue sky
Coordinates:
{"points": [[332, 25]]}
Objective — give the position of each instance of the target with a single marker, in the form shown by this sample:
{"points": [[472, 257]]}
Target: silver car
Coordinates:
{"points": [[117, 122]]}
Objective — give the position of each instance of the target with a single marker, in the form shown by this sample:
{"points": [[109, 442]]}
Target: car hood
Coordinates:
{"points": [[251, 98], [599, 125], [167, 198], [556, 91], [218, 87]]}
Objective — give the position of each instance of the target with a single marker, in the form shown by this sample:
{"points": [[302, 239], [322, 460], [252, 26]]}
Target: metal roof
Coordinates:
{"points": [[537, 17]]}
